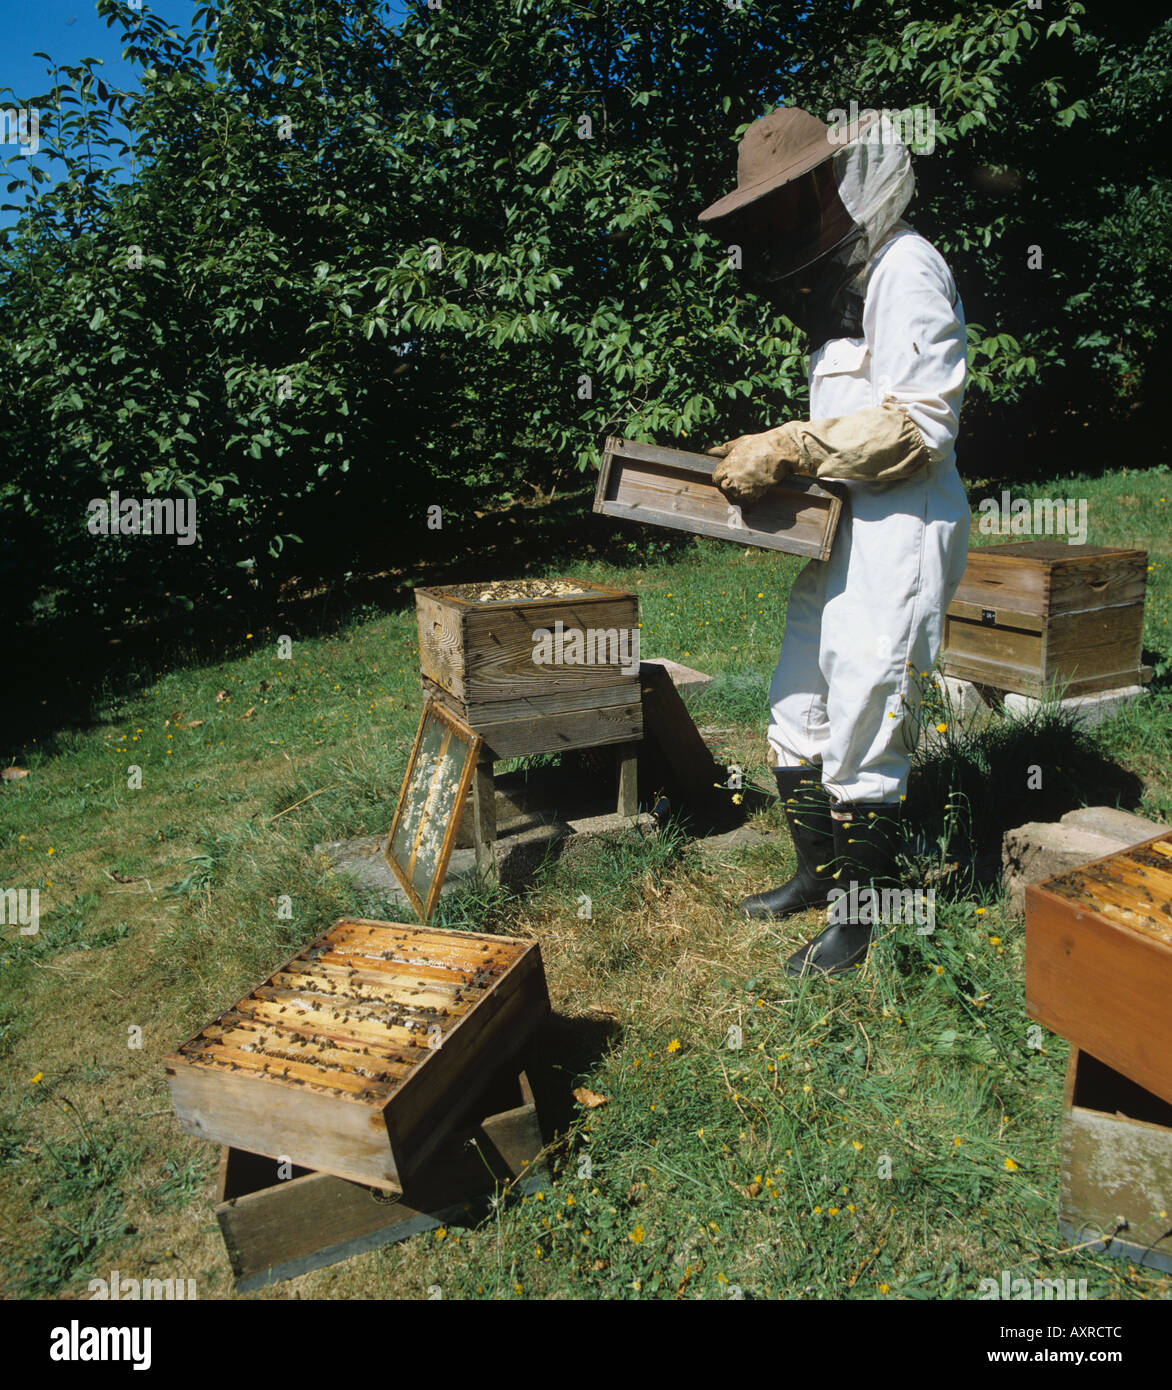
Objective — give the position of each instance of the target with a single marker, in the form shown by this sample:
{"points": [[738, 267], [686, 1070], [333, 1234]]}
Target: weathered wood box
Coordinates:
{"points": [[360, 1055], [534, 666], [1035, 616], [278, 1223], [674, 488], [1116, 1180], [1098, 960]]}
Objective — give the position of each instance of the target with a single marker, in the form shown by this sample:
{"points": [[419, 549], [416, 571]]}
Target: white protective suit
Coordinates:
{"points": [[863, 625]]}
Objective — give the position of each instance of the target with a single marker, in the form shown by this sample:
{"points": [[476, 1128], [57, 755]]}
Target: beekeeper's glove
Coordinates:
{"points": [[751, 464], [878, 444]]}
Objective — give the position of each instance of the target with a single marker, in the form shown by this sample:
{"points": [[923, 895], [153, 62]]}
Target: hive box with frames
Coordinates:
{"points": [[482, 655], [1098, 960], [359, 1056]]}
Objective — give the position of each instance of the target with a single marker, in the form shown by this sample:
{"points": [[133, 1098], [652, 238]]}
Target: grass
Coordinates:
{"points": [[892, 1135]]}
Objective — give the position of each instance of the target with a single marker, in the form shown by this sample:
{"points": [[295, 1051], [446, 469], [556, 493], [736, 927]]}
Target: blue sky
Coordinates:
{"points": [[69, 30]]}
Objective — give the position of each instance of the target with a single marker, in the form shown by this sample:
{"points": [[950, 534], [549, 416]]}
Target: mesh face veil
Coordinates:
{"points": [[793, 226], [807, 245]]}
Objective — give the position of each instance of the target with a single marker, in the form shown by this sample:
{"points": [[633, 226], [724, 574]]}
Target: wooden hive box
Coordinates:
{"points": [[1098, 960], [673, 487], [1031, 616], [1116, 1178], [477, 658], [362, 1053]]}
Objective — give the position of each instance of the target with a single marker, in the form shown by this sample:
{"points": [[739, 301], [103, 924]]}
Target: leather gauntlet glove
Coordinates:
{"points": [[751, 464], [878, 444]]}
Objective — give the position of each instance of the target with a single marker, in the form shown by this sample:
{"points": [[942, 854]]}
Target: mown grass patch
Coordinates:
{"points": [[754, 1170]]}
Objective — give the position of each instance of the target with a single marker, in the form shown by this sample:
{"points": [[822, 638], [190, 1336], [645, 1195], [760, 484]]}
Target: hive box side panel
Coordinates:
{"points": [[1115, 579], [993, 579], [1105, 988], [674, 488], [1005, 657], [313, 1130], [1097, 644], [501, 650], [554, 723], [450, 1082], [442, 642]]}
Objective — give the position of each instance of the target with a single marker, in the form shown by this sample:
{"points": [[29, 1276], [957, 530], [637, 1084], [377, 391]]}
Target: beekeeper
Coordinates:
{"points": [[816, 213]]}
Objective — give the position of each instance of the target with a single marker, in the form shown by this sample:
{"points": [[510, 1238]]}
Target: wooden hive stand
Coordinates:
{"points": [[278, 1222]]}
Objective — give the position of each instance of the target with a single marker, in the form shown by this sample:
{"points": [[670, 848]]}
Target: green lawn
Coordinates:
{"points": [[889, 1135]]}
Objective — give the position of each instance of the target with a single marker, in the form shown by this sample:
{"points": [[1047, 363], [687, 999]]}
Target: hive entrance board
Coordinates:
{"points": [[673, 487], [359, 1055], [435, 787]]}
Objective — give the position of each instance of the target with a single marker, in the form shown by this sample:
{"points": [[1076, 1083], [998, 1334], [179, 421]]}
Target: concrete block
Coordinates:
{"points": [[966, 697], [1041, 849], [520, 850], [686, 680]]}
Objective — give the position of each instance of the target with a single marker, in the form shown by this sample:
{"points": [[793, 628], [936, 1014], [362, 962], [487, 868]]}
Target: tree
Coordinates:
{"points": [[362, 270]]}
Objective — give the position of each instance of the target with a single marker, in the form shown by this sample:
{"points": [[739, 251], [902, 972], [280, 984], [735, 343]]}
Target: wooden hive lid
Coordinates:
{"points": [[358, 1012], [1131, 888], [1049, 552]]}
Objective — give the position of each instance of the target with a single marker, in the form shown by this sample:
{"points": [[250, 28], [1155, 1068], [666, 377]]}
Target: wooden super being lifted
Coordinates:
{"points": [[674, 488]]}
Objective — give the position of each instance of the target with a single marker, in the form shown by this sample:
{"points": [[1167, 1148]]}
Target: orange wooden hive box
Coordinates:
{"points": [[1098, 965], [362, 1053]]}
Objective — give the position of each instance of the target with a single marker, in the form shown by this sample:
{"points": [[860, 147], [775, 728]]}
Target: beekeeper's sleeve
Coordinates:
{"points": [[913, 325]]}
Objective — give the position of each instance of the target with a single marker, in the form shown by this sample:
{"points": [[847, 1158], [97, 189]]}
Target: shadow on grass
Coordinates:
{"points": [[60, 671], [566, 1050], [968, 789]]}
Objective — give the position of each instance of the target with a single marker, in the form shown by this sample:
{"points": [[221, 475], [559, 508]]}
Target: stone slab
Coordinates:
{"points": [[686, 679], [520, 851], [1040, 849], [967, 697]]}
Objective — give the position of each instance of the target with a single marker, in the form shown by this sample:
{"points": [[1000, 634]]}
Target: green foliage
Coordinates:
{"points": [[357, 271]]}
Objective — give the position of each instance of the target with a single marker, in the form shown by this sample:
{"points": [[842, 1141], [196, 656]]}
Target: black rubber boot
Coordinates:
{"points": [[865, 852], [807, 812]]}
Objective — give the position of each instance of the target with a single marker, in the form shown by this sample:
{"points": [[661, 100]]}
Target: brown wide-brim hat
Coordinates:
{"points": [[779, 148]]}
